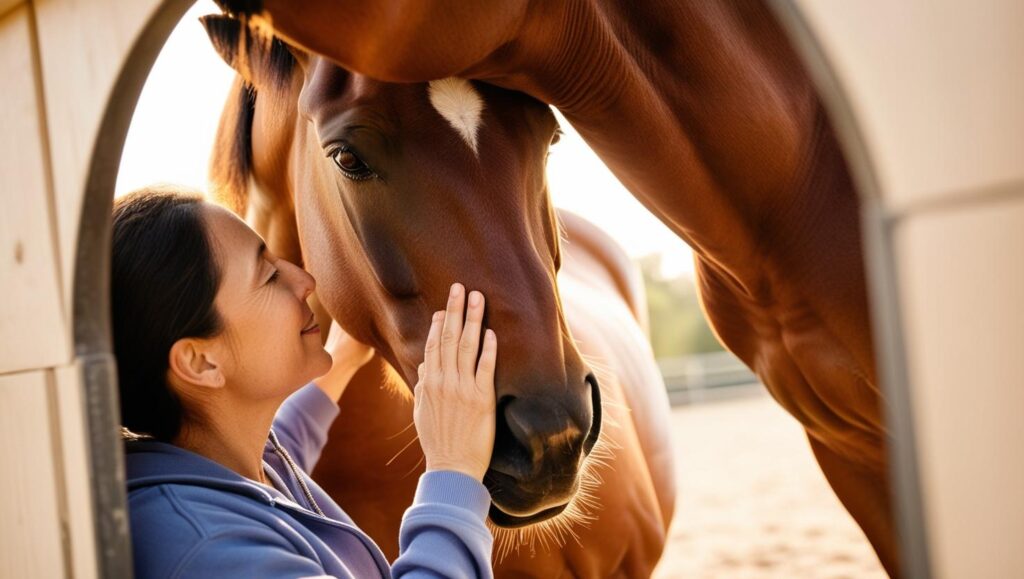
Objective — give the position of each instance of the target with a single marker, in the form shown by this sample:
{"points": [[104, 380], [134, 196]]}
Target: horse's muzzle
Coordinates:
{"points": [[540, 445]]}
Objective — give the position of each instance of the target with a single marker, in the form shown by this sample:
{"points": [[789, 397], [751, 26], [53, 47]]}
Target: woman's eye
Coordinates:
{"points": [[351, 165], [273, 277]]}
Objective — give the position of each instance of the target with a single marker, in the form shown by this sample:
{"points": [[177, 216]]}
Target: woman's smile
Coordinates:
{"points": [[312, 327]]}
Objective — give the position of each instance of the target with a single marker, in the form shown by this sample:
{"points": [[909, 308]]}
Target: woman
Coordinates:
{"points": [[214, 343]]}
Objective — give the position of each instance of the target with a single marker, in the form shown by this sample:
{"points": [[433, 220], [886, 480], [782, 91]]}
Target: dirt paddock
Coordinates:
{"points": [[752, 501]]}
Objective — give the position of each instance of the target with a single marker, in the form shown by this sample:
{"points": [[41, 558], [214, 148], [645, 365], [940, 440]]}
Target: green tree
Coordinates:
{"points": [[678, 325]]}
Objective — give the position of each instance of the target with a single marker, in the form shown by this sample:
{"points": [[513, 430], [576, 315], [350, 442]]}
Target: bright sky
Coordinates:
{"points": [[176, 119]]}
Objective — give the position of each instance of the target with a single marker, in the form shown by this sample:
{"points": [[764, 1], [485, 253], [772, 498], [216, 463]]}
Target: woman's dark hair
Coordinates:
{"points": [[163, 282]]}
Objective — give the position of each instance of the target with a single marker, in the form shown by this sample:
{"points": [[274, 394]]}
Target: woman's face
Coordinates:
{"points": [[271, 341]]}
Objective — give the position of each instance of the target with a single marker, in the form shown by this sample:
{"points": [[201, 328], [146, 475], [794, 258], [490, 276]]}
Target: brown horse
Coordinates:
{"points": [[703, 110], [388, 193]]}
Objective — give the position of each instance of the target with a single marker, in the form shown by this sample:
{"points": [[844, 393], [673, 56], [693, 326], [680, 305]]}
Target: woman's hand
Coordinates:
{"points": [[455, 400], [348, 355], [346, 351]]}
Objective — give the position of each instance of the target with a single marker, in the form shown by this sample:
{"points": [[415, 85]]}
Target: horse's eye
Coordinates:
{"points": [[351, 165], [557, 136]]}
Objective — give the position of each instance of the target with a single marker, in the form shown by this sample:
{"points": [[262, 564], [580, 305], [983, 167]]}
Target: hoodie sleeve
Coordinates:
{"points": [[302, 423], [443, 532]]}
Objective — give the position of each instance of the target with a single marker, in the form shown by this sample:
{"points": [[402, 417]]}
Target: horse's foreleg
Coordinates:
{"points": [[866, 495]]}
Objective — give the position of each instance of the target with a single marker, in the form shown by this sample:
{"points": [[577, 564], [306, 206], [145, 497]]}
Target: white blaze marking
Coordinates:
{"points": [[460, 104]]}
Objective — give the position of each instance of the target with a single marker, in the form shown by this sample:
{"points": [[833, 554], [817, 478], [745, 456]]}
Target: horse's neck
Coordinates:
{"points": [[701, 109]]}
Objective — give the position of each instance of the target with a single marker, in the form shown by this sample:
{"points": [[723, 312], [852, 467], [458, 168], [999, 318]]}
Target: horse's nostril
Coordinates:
{"points": [[540, 436], [519, 424], [510, 458], [595, 423], [502, 434]]}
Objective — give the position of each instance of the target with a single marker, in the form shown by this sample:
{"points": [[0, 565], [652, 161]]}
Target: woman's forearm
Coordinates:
{"points": [[348, 355]]}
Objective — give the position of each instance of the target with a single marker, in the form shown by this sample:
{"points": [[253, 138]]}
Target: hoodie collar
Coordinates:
{"points": [[149, 463]]}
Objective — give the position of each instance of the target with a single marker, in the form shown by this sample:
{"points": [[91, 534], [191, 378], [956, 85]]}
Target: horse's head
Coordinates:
{"points": [[399, 190]]}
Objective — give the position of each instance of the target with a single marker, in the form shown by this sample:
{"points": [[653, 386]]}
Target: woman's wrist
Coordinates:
{"points": [[348, 355], [473, 470], [336, 381]]}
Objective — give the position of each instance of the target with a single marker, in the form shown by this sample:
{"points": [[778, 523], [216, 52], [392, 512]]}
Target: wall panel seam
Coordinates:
{"points": [[51, 193], [958, 200], [60, 469]]}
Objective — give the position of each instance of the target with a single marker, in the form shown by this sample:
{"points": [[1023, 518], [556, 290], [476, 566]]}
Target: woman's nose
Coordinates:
{"points": [[307, 283], [304, 283]]}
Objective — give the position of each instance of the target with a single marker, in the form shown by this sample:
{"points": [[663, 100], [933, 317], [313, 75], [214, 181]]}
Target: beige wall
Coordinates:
{"points": [[962, 287], [28, 244], [59, 60], [33, 319], [935, 87]]}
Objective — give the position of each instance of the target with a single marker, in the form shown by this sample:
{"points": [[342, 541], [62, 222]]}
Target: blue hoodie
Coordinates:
{"points": [[192, 517]]}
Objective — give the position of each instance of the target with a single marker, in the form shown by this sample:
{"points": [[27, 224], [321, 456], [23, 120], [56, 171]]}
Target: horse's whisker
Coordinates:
{"points": [[404, 448], [411, 424], [415, 466]]}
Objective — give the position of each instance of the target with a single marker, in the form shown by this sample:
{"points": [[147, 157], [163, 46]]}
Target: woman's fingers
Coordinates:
{"points": [[488, 357], [452, 331], [451, 350], [432, 350], [455, 398], [470, 343]]}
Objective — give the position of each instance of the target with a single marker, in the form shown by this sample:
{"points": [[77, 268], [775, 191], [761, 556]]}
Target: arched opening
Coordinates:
{"points": [[91, 308], [877, 231], [91, 311]]}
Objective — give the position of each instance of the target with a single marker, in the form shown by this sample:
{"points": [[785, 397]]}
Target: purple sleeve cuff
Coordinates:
{"points": [[453, 488], [444, 532]]}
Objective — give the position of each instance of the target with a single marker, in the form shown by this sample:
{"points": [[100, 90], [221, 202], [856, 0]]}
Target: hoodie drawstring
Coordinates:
{"points": [[295, 472]]}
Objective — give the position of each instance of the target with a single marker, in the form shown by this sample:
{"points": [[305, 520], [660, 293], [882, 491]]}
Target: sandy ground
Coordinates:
{"points": [[752, 501]]}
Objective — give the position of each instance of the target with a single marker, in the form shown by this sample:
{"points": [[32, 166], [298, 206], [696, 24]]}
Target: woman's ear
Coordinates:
{"points": [[196, 363]]}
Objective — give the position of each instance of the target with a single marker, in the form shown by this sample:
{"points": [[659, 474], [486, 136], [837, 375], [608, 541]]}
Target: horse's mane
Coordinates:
{"points": [[231, 159], [263, 63]]}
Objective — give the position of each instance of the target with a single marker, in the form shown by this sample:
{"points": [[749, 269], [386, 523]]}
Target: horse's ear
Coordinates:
{"points": [[224, 32], [251, 50]]}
